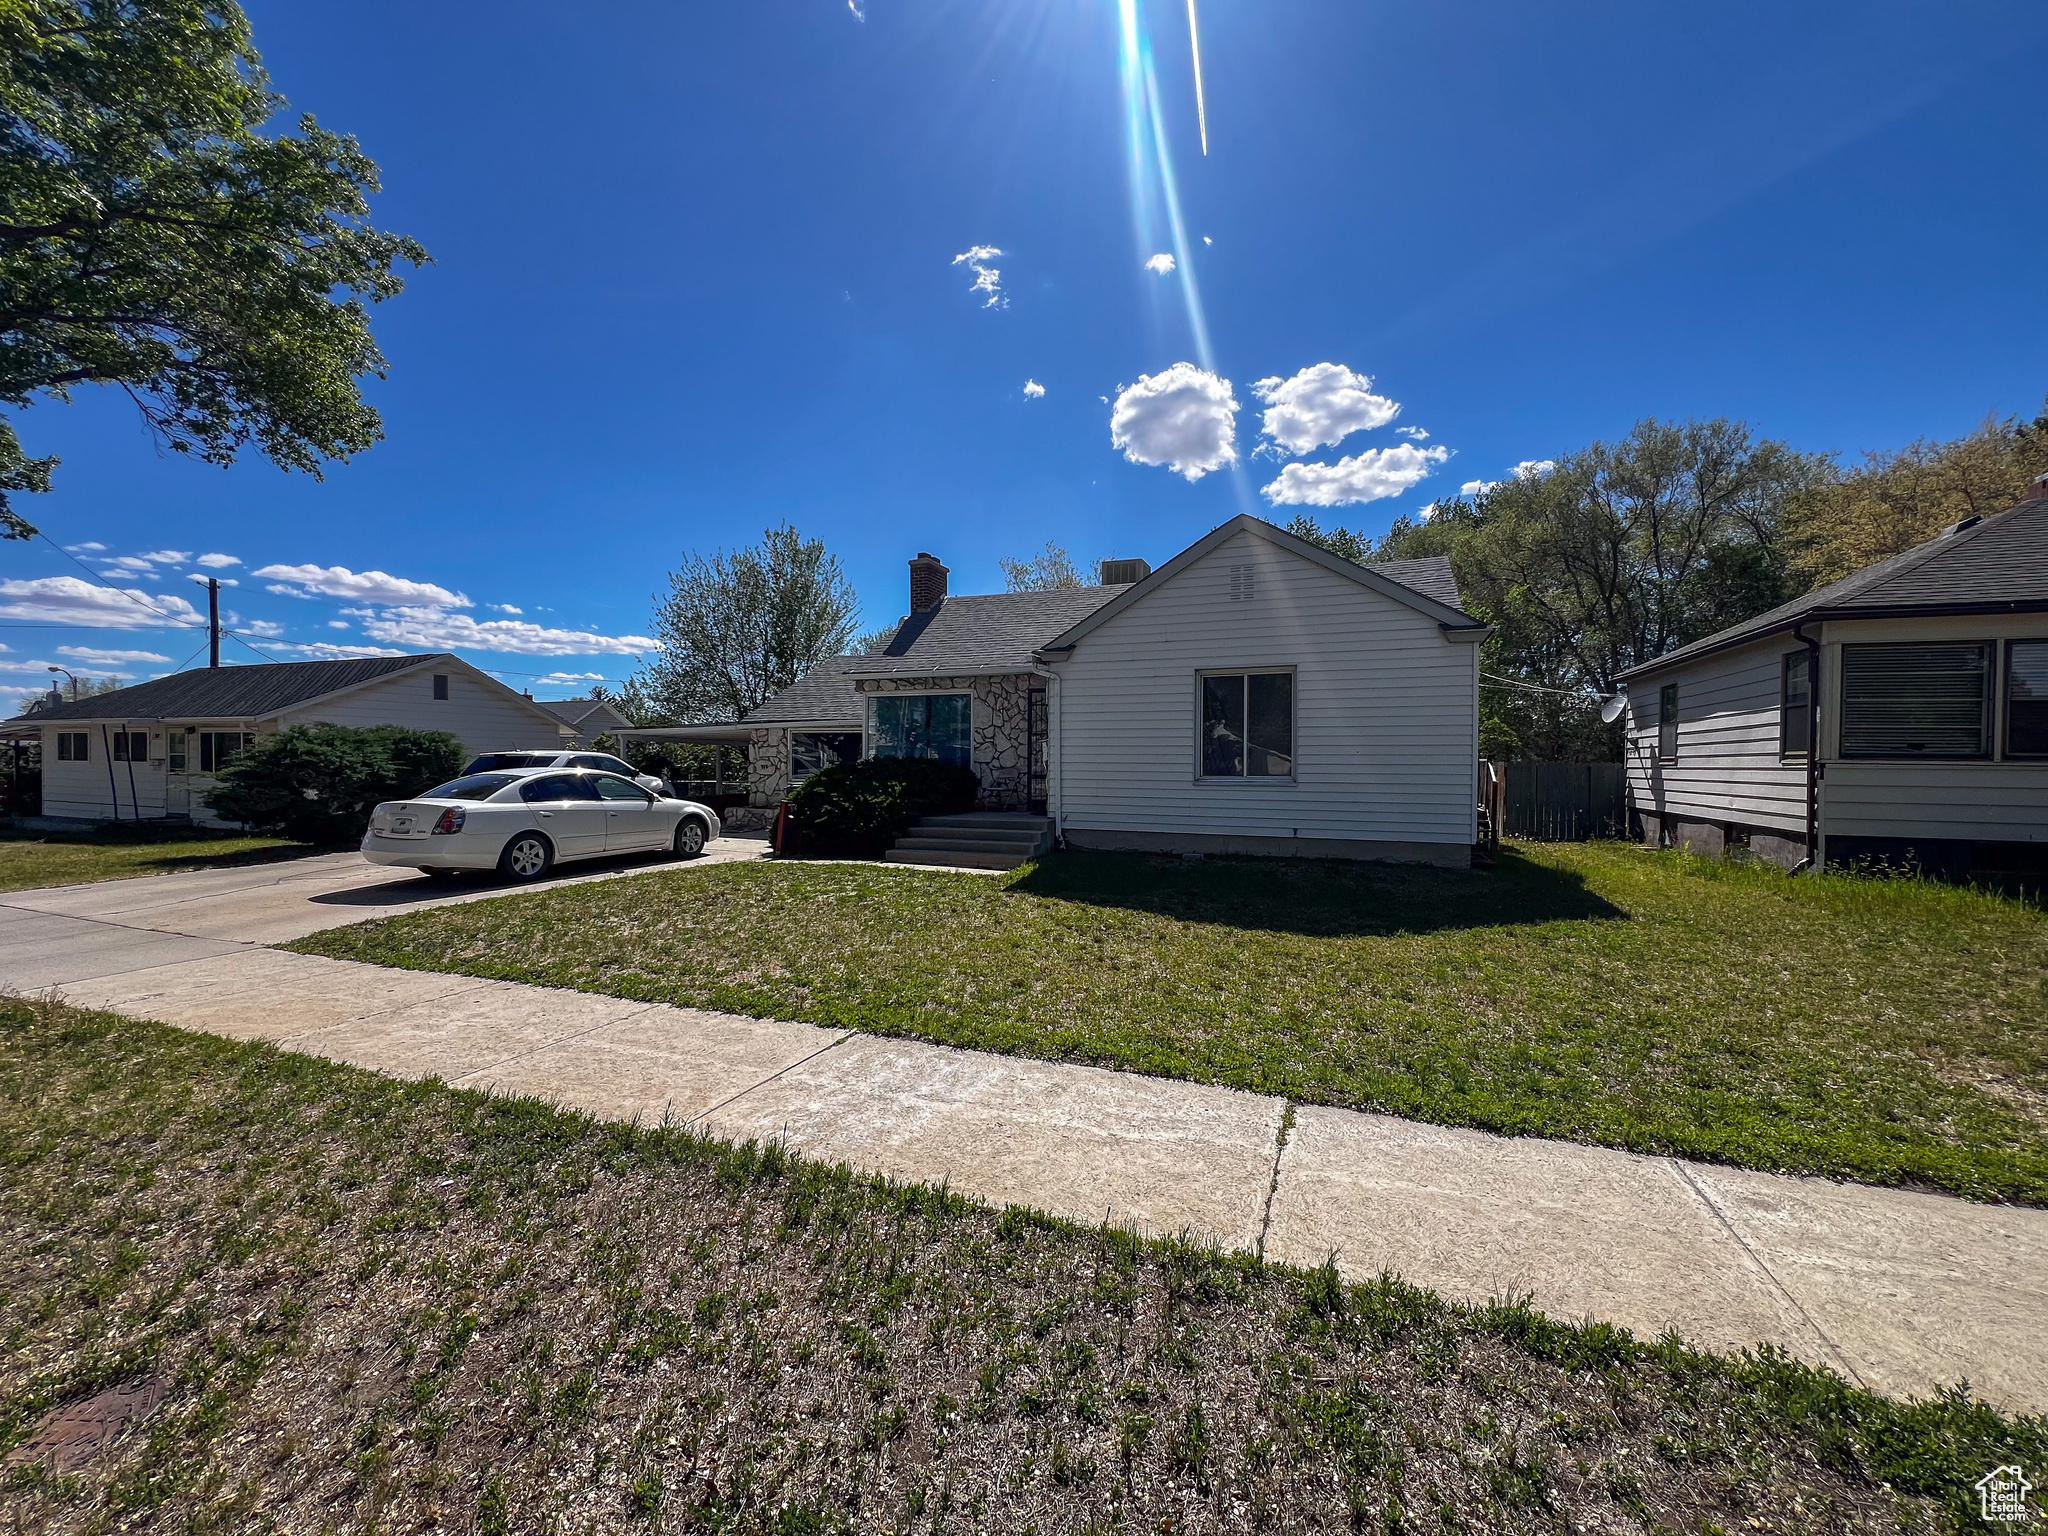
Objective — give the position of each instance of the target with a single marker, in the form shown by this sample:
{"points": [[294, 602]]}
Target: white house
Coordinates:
{"points": [[151, 751], [1255, 694], [1899, 714]]}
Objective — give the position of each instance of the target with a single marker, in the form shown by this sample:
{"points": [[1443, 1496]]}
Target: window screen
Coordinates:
{"points": [[440, 685], [1795, 710], [2026, 698], [1667, 722], [1915, 700], [73, 746], [1248, 725]]}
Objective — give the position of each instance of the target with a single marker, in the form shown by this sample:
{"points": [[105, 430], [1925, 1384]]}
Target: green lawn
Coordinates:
{"points": [[1887, 1031], [31, 859], [382, 1306]]}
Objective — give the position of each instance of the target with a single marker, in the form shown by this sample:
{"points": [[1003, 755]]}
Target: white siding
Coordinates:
{"points": [[1386, 711], [485, 715], [1728, 766]]}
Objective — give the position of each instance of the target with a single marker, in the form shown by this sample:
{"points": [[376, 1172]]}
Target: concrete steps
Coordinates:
{"points": [[976, 840]]}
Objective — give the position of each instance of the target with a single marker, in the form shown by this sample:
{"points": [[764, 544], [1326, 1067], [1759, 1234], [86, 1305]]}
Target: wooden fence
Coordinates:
{"points": [[1563, 802]]}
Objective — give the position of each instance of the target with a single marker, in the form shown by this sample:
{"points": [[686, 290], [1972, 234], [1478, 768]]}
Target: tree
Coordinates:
{"points": [[1896, 500], [738, 629], [1625, 551], [1341, 542], [153, 240], [1045, 571]]}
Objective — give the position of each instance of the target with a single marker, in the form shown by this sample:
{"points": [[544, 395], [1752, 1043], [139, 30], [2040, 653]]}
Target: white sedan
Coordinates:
{"points": [[524, 821]]}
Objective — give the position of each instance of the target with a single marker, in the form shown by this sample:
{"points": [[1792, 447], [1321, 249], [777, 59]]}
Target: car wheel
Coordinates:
{"points": [[438, 876], [527, 857], [689, 838]]}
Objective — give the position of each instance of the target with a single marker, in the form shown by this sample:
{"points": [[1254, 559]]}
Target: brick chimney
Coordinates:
{"points": [[927, 582]]}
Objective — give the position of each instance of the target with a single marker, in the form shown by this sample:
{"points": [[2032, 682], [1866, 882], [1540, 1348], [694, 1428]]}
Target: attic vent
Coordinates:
{"points": [[1241, 583], [1955, 528], [1121, 573]]}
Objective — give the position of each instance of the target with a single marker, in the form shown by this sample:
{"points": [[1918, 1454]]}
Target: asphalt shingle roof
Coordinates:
{"points": [[1431, 576], [574, 712], [232, 693], [994, 633], [822, 696], [1998, 563]]}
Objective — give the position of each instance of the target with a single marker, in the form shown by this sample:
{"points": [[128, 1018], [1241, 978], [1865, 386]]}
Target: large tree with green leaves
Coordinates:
{"points": [[736, 629], [1623, 552], [153, 238]]}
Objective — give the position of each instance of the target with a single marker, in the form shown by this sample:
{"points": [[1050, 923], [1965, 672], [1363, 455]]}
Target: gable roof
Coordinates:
{"points": [[1997, 564], [576, 713], [1426, 585], [239, 693], [822, 696], [981, 635]]}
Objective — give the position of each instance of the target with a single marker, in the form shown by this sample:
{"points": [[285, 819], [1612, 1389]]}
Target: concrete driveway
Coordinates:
{"points": [[1898, 1291]]}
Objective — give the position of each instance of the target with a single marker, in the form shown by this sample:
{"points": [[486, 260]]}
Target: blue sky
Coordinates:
{"points": [[695, 274]]}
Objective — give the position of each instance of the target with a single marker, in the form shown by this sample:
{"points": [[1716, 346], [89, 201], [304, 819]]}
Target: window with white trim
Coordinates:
{"points": [[1795, 706], [1247, 725]]}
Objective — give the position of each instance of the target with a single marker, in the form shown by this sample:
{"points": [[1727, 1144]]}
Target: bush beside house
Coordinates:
{"points": [[857, 810], [319, 783]]}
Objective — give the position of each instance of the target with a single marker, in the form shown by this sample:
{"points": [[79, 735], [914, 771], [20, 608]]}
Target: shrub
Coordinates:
{"points": [[319, 783], [858, 809]]}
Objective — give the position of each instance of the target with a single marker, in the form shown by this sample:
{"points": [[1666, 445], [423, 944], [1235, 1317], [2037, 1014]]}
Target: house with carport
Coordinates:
{"points": [[1254, 694]]}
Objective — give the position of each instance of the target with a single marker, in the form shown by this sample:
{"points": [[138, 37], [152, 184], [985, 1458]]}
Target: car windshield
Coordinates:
{"points": [[476, 786], [491, 762]]}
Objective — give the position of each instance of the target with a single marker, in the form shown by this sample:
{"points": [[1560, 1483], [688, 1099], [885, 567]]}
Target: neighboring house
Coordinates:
{"points": [[152, 751], [1254, 694], [1899, 714], [587, 719]]}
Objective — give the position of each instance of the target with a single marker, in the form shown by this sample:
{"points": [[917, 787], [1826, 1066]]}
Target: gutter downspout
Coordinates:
{"points": [[1812, 859]]}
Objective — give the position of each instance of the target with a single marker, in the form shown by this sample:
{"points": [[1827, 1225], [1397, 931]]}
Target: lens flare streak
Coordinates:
{"points": [[1195, 43]]}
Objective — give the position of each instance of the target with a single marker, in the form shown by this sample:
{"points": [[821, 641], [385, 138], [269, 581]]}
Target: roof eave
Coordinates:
{"points": [[1832, 614]]}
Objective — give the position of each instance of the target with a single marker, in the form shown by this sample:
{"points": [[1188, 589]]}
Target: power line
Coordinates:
{"points": [[1516, 682], [173, 621]]}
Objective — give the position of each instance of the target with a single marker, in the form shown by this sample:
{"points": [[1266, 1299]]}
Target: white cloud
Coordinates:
{"points": [[1416, 433], [84, 549], [1183, 417], [859, 9], [567, 679], [1207, 241], [68, 600], [358, 586], [226, 581], [337, 623], [1321, 406], [260, 629], [504, 608], [1528, 469], [135, 564], [1367, 476], [219, 562], [1033, 390], [93, 656], [435, 629], [169, 556], [987, 279], [1162, 263], [325, 650]]}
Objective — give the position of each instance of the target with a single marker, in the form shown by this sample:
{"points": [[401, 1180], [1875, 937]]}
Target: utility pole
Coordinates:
{"points": [[213, 621]]}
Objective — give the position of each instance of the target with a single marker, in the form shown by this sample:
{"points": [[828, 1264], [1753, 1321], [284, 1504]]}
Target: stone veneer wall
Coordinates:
{"points": [[1002, 726], [767, 766]]}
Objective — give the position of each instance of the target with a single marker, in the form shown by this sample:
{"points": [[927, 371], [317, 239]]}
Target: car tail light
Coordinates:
{"points": [[451, 819]]}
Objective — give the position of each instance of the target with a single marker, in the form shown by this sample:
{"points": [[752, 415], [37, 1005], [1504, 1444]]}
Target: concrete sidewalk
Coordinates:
{"points": [[1902, 1292]]}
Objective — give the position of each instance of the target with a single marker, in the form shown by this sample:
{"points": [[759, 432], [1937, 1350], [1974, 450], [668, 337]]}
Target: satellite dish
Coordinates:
{"points": [[1611, 710]]}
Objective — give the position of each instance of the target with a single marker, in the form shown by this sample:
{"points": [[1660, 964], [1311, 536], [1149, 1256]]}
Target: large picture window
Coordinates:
{"points": [[1248, 725], [935, 725], [2026, 698], [1916, 700], [811, 750], [1795, 706]]}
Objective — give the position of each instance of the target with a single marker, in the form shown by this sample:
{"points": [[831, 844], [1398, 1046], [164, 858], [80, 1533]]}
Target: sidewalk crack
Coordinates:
{"points": [[1770, 1275], [701, 1116], [1273, 1185]]}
